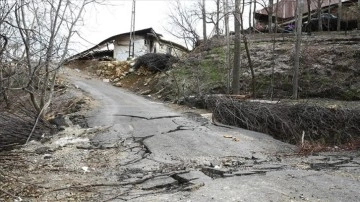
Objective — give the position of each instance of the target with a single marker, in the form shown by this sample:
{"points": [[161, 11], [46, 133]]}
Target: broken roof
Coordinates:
{"points": [[137, 32]]}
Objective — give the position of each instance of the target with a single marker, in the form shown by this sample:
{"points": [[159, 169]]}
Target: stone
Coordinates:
{"points": [[107, 73], [338, 162], [214, 172], [118, 84], [348, 165], [145, 92], [194, 187], [98, 72], [356, 160], [258, 156], [228, 175], [47, 156], [110, 65], [244, 172], [316, 158], [158, 182], [190, 176], [106, 80], [269, 167], [42, 150]]}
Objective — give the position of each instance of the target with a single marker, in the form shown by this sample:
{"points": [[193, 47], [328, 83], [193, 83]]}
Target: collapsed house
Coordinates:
{"points": [[284, 13], [120, 47]]}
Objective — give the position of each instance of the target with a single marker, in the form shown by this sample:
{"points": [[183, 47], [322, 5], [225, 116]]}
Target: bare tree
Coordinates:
{"points": [[218, 11], [320, 22], [339, 15], [183, 22], [45, 29], [358, 13], [227, 34], [270, 15], [254, 12], [6, 72], [209, 16], [299, 6], [247, 50], [272, 81], [237, 59], [214, 16], [250, 11], [203, 14], [227, 47], [309, 16]]}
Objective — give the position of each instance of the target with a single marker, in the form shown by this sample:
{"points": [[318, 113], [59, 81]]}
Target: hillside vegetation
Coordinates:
{"points": [[329, 85]]}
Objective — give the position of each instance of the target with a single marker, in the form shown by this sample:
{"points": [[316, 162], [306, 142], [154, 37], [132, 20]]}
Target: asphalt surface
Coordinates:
{"points": [[168, 133], [234, 164]]}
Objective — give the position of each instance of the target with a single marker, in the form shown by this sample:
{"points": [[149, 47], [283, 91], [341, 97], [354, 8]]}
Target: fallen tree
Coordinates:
{"points": [[292, 123], [16, 127]]}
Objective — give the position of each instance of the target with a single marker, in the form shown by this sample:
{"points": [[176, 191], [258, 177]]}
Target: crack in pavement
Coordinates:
{"points": [[141, 142], [147, 118], [179, 128]]}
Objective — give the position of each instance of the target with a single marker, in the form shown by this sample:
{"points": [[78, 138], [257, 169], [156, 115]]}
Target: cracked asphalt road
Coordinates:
{"points": [[255, 167], [172, 136]]}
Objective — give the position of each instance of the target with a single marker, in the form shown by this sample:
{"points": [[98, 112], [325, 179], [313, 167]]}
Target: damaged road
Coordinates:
{"points": [[172, 136], [141, 150], [248, 166]]}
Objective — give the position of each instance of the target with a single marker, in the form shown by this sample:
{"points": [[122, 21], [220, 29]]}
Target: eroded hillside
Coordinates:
{"points": [[329, 69]]}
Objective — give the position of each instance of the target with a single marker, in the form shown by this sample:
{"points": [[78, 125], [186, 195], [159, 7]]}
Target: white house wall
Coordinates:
{"points": [[166, 48], [121, 47]]}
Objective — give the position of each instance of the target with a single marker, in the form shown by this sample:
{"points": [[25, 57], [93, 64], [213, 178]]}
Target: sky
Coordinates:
{"points": [[113, 17]]}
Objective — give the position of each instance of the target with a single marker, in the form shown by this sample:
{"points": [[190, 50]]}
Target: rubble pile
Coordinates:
{"points": [[117, 71], [112, 70]]}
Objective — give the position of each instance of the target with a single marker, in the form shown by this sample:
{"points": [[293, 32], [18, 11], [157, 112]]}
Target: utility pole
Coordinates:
{"points": [[132, 31]]}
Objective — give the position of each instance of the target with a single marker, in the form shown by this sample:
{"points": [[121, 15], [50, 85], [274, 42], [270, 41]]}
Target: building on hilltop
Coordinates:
{"points": [[118, 46], [286, 12]]}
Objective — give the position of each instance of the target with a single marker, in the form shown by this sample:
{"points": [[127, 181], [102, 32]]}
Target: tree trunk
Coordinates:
{"points": [[319, 15], [300, 5], [254, 11], [270, 13], [272, 85], [217, 29], [250, 19], [237, 59], [328, 20], [227, 55], [358, 21], [203, 12], [309, 17], [253, 80], [339, 15]]}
